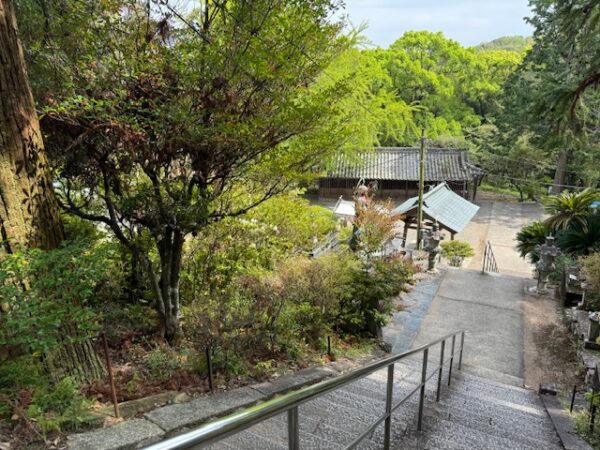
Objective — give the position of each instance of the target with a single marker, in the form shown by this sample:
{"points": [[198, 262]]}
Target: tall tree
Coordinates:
{"points": [[29, 214], [182, 126]]}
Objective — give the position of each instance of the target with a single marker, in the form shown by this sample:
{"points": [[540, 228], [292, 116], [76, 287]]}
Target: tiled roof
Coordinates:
{"points": [[402, 163], [443, 205]]}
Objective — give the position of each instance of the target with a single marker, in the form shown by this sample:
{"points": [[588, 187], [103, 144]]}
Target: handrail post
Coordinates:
{"points": [[422, 393], [451, 360], [462, 345], [388, 407], [293, 429], [439, 381], [484, 259]]}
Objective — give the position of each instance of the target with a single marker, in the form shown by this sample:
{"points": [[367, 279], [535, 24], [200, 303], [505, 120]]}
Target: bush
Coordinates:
{"points": [[17, 375], [44, 291], [58, 407], [456, 251], [461, 249], [529, 237], [591, 271], [164, 362], [373, 290]]}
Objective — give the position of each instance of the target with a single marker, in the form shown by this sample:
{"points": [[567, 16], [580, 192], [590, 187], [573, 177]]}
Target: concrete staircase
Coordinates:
{"points": [[473, 413]]}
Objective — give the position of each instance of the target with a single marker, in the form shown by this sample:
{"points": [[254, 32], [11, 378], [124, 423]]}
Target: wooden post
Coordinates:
{"points": [[421, 190], [111, 380]]}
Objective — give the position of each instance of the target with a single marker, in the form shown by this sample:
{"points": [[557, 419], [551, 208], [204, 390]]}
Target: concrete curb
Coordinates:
{"points": [[563, 424], [172, 419]]}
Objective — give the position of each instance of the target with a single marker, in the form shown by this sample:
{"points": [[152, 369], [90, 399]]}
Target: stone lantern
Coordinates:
{"points": [[431, 242], [546, 264]]}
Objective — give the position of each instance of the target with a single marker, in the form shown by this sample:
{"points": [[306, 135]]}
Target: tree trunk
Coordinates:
{"points": [[77, 360], [166, 288], [29, 214], [561, 172]]}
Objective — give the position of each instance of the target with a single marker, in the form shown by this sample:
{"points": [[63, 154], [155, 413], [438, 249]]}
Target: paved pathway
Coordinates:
{"points": [[489, 308], [498, 223]]}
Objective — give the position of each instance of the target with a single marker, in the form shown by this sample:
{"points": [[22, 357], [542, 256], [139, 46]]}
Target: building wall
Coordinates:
{"points": [[397, 190]]}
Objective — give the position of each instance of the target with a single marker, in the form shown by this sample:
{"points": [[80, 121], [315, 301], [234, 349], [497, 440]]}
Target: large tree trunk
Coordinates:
{"points": [[29, 214], [561, 172], [78, 360]]}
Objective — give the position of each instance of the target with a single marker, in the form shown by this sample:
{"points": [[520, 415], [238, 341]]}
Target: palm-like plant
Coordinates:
{"points": [[531, 236], [581, 240], [569, 210]]}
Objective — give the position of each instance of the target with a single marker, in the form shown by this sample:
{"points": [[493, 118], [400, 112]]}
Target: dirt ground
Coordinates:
{"points": [[550, 356]]}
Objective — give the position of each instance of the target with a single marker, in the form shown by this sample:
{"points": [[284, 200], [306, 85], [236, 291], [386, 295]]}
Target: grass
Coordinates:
{"points": [[487, 187]]}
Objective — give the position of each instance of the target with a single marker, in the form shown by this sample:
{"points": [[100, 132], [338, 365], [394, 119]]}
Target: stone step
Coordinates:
{"points": [[441, 434], [473, 412]]}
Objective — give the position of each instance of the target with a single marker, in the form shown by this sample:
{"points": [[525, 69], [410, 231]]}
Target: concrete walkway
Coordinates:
{"points": [[499, 223], [488, 306]]}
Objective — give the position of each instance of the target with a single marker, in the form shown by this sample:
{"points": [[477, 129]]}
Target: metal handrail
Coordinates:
{"points": [[237, 422], [489, 260]]}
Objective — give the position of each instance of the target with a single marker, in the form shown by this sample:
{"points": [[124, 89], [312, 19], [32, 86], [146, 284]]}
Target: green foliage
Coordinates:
{"points": [[461, 249], [164, 362], [591, 271], [508, 43], [294, 222], [166, 138], [283, 226], [570, 209], [58, 407], [43, 291], [581, 239], [373, 291], [291, 309], [552, 99], [17, 374], [531, 236]]}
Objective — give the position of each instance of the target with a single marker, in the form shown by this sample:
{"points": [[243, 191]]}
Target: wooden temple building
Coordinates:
{"points": [[396, 171]]}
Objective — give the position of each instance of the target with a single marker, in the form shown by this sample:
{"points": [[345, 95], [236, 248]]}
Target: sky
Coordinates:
{"points": [[469, 22]]}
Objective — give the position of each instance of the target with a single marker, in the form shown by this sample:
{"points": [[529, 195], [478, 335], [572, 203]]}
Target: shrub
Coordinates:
{"points": [[373, 289], [164, 362], [43, 291], [57, 407], [591, 271], [456, 251], [529, 237]]}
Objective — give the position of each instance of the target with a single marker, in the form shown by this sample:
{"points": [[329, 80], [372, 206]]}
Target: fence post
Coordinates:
{"points": [[451, 360], [422, 393], [439, 381], [111, 380], [209, 367], [388, 407], [293, 429]]}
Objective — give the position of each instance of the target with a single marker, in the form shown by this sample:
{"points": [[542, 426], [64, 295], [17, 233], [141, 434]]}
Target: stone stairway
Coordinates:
{"points": [[473, 413]]}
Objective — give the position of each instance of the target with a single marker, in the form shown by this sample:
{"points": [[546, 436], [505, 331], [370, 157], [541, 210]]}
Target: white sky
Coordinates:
{"points": [[469, 22]]}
